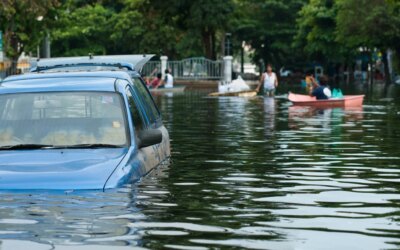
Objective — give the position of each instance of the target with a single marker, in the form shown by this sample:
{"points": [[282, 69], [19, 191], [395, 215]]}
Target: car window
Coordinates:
{"points": [[145, 95], [136, 114], [62, 118]]}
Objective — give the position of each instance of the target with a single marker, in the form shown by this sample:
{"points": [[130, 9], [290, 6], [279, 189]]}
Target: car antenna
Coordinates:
{"points": [[90, 56]]}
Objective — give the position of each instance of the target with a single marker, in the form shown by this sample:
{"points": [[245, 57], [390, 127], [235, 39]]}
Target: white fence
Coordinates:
{"points": [[197, 68]]}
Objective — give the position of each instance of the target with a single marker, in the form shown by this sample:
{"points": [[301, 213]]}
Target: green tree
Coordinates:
{"points": [[142, 27], [24, 23], [269, 26], [80, 30], [200, 25], [376, 25], [176, 28], [208, 17], [316, 31]]}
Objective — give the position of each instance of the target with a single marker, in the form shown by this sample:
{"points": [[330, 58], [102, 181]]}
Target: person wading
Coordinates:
{"points": [[168, 81], [269, 81], [156, 81]]}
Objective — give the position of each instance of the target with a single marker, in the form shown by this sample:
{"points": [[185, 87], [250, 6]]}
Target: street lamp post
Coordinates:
{"points": [[242, 58], [228, 44], [1, 47], [46, 46]]}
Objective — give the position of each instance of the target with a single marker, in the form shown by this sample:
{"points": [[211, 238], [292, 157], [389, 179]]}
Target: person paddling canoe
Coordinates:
{"points": [[321, 91]]}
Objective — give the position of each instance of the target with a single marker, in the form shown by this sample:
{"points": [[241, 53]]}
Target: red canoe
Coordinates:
{"points": [[346, 101]]}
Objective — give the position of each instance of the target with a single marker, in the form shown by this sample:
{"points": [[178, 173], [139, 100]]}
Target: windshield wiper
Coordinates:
{"points": [[90, 145], [25, 146]]}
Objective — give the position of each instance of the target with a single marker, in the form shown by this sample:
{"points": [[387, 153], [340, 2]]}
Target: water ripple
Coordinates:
{"points": [[247, 174]]}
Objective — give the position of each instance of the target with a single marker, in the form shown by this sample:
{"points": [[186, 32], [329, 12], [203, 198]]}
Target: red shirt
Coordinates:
{"points": [[155, 82]]}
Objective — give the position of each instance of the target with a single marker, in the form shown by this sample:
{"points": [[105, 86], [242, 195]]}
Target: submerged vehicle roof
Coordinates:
{"points": [[129, 62], [63, 81]]}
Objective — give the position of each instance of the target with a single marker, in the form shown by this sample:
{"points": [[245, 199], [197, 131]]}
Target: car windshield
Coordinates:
{"points": [[62, 119]]}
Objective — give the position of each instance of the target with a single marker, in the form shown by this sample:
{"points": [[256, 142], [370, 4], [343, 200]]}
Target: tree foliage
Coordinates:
{"points": [[24, 23], [279, 31], [80, 30], [269, 27], [334, 30], [176, 28], [375, 25], [316, 30]]}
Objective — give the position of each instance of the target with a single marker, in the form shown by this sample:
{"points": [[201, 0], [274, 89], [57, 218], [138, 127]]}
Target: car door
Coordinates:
{"points": [[148, 155], [154, 116]]}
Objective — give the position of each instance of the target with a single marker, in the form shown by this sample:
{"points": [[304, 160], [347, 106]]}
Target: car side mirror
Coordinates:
{"points": [[149, 137]]}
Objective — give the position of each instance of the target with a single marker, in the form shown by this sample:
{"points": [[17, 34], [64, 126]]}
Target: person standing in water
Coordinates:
{"points": [[168, 81], [269, 81], [155, 82]]}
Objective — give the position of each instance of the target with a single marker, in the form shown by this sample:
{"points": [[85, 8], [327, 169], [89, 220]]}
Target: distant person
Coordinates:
{"points": [[168, 81], [269, 81], [310, 81], [321, 91], [145, 79], [156, 81]]}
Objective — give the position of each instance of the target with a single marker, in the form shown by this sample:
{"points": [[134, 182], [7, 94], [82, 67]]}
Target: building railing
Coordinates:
{"points": [[197, 68], [23, 66], [3, 74]]}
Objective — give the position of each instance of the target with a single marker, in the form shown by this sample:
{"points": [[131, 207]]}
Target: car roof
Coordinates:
{"points": [[130, 62], [63, 81]]}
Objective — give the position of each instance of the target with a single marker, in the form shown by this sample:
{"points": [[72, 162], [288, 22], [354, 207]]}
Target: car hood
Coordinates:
{"points": [[68, 169]]}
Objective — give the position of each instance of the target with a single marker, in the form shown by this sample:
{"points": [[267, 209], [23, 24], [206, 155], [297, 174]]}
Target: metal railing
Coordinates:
{"points": [[198, 68], [151, 68], [3, 74], [7, 72], [5, 68]]}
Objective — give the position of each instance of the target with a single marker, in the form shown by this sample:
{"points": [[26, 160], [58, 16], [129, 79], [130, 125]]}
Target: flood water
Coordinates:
{"points": [[253, 173]]}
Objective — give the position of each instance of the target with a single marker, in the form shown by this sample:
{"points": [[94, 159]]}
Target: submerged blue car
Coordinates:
{"points": [[78, 131]]}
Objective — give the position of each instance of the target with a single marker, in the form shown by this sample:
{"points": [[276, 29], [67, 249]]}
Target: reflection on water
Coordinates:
{"points": [[252, 173]]}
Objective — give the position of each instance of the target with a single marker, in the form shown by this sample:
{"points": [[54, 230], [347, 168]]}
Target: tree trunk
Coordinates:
{"points": [[214, 53], [209, 43], [14, 56], [13, 68], [396, 68], [388, 77], [371, 68], [349, 69]]}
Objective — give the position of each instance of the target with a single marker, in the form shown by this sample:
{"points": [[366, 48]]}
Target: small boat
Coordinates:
{"points": [[346, 101], [246, 93], [176, 89]]}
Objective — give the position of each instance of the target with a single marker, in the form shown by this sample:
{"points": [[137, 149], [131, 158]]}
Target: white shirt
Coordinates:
{"points": [[269, 80], [169, 81], [328, 92]]}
